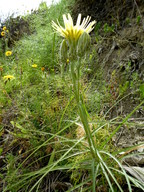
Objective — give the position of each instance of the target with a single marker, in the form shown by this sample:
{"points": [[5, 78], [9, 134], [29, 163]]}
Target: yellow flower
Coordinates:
{"points": [[4, 28], [7, 31], [34, 65], [73, 32], [42, 68], [2, 33], [67, 61], [8, 53], [8, 77]]}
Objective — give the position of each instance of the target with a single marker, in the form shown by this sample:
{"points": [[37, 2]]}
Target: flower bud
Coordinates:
{"points": [[63, 51], [83, 43]]}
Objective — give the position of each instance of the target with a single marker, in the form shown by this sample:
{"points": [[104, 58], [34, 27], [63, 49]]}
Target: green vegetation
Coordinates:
{"points": [[56, 131]]}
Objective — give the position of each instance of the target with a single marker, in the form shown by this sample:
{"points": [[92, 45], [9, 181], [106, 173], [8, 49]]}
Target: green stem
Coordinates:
{"points": [[93, 175], [53, 50], [87, 129], [82, 112], [73, 75], [78, 76]]}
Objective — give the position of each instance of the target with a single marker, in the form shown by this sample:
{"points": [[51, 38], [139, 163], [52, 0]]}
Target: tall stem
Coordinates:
{"points": [[82, 112]]}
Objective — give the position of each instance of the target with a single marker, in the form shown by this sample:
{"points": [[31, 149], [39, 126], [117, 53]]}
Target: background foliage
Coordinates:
{"points": [[43, 145]]}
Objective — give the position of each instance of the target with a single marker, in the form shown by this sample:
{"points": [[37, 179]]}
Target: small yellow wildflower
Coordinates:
{"points": [[34, 65], [67, 61], [7, 31], [8, 53], [42, 68], [8, 77], [2, 33], [4, 28]]}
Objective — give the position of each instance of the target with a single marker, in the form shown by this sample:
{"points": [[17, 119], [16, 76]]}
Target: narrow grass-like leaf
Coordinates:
{"points": [[55, 164], [106, 176], [137, 172], [125, 174], [79, 185], [64, 112], [51, 157], [116, 103], [124, 120], [136, 182], [93, 175], [109, 171]]}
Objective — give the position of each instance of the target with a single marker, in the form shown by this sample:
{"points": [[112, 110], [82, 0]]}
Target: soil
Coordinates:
{"points": [[120, 47], [117, 49]]}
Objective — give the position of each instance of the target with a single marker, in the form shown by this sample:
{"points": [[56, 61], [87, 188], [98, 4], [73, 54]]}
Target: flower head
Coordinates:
{"points": [[67, 61], [42, 68], [2, 33], [34, 65], [4, 28], [8, 53], [73, 32], [8, 77]]}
